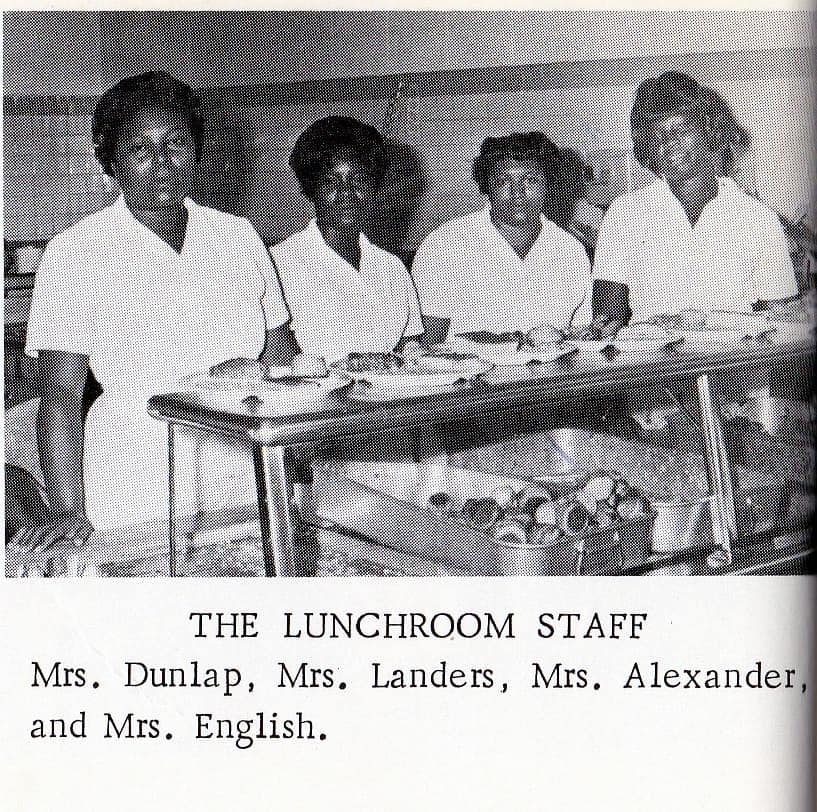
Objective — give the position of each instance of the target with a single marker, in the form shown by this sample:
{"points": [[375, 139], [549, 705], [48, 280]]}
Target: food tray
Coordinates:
{"points": [[389, 504], [682, 521]]}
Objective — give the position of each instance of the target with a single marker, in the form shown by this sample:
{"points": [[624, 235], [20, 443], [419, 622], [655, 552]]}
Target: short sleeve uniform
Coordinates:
{"points": [[467, 272], [147, 316], [337, 309], [734, 256]]}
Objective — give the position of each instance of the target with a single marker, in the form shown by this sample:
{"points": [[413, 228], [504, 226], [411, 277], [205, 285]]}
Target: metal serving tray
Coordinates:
{"points": [[679, 524], [388, 504]]}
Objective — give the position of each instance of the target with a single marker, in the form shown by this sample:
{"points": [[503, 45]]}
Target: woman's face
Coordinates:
{"points": [[343, 194], [154, 160], [518, 192], [679, 148]]}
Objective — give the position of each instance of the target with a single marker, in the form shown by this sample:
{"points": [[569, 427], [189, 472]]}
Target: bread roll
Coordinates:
{"points": [[544, 336], [481, 513]]}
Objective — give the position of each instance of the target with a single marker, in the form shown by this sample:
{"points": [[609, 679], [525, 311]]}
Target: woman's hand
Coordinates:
{"points": [[600, 328], [240, 368], [71, 526]]}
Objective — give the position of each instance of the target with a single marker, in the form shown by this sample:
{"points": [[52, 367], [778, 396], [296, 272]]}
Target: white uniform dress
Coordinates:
{"points": [[735, 255], [146, 316], [466, 270], [336, 308]]}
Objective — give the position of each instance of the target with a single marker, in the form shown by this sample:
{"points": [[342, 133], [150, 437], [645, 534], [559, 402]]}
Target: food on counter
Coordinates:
{"points": [[373, 361], [599, 487], [440, 501], [510, 531], [632, 507], [487, 337], [309, 366], [440, 367], [686, 319], [481, 513], [503, 496], [536, 515], [544, 534], [544, 336], [600, 329]]}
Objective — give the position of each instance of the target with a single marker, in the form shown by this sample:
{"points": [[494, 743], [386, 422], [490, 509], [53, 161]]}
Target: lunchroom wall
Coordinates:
{"points": [[462, 76]]}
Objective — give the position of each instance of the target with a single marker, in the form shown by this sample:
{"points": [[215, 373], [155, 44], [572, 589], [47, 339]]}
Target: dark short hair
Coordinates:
{"points": [[676, 94], [126, 98], [321, 142], [563, 169], [533, 146]]}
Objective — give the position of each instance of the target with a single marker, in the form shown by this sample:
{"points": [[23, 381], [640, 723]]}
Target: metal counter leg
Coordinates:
{"points": [[171, 502], [724, 524], [275, 512]]}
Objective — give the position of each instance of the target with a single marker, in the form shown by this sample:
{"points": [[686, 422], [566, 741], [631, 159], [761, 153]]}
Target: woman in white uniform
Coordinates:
{"points": [[691, 239], [150, 289], [508, 267], [344, 293]]}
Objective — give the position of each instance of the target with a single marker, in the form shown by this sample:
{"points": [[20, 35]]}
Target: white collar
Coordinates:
{"points": [[485, 213], [314, 233], [140, 229], [485, 217], [121, 206], [724, 184]]}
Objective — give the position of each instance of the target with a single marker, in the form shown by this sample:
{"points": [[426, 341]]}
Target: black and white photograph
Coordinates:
{"points": [[374, 293]]}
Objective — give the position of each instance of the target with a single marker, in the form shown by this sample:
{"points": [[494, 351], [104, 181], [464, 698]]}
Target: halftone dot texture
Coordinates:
{"points": [[438, 83]]}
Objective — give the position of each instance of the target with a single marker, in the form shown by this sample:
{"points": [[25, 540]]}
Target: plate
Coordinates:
{"points": [[709, 336], [507, 353], [494, 352], [748, 323], [426, 372], [644, 346], [543, 356], [791, 331], [592, 346], [247, 396]]}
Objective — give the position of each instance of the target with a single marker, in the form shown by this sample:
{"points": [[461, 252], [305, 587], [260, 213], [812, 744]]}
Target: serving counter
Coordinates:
{"points": [[512, 393]]}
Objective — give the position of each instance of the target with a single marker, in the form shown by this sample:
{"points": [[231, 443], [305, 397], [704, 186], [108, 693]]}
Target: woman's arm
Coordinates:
{"points": [[60, 436], [280, 346], [611, 307], [435, 330], [611, 299]]}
